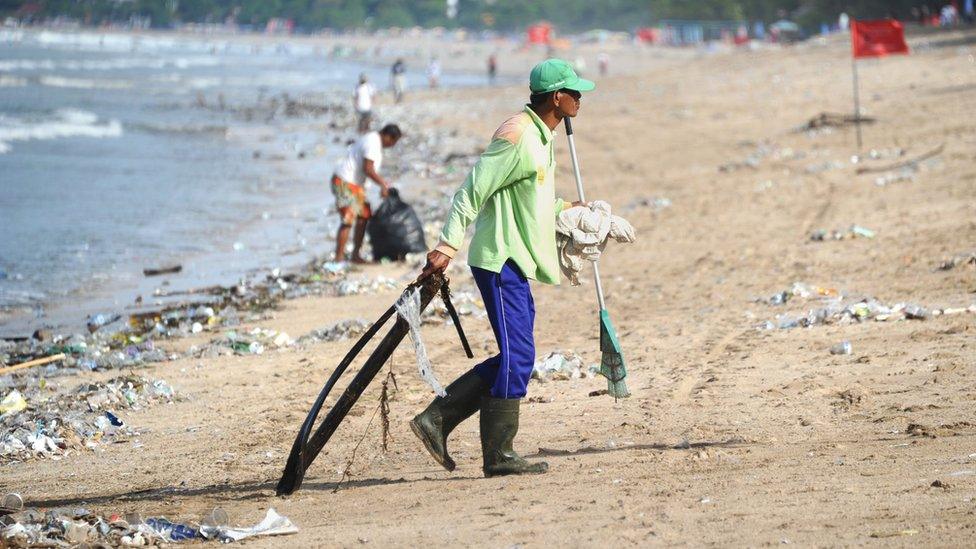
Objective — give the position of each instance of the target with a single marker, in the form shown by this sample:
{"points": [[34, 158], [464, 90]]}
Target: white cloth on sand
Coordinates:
{"points": [[582, 232]]}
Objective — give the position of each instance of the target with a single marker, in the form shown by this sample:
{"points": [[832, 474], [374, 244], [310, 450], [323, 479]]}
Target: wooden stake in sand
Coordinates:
{"points": [[30, 363]]}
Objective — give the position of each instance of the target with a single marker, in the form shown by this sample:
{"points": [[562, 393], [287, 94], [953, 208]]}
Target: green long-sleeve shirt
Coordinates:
{"points": [[510, 197]]}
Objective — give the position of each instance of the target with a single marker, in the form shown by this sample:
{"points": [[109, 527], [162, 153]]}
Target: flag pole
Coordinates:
{"points": [[857, 103], [857, 85]]}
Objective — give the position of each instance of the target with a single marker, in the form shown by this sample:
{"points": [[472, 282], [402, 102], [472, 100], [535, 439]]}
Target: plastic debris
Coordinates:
{"points": [[273, 524], [850, 310], [466, 302], [12, 403], [798, 290], [905, 174], [339, 331], [70, 527], [77, 419], [955, 261], [169, 531], [408, 307], [561, 366], [842, 348], [854, 231]]}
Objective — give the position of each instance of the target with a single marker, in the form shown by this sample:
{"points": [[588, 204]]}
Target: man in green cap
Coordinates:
{"points": [[510, 197]]}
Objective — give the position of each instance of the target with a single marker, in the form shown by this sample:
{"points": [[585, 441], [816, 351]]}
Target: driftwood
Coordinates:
{"points": [[834, 120], [307, 444], [934, 152], [31, 363], [149, 271]]}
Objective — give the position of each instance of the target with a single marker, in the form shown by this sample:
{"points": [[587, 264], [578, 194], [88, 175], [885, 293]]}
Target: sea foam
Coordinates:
{"points": [[62, 123]]}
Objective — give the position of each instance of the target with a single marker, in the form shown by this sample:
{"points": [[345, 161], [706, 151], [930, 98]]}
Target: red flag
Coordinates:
{"points": [[878, 38], [539, 33]]}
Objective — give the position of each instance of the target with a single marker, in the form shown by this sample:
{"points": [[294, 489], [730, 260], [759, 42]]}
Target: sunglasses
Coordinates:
{"points": [[572, 93]]}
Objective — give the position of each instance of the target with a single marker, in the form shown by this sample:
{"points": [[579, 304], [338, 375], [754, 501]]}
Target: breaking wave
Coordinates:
{"points": [[83, 83], [62, 123], [122, 63]]}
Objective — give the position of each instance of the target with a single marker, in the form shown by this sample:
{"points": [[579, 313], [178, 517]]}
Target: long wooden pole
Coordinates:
{"points": [[29, 363]]}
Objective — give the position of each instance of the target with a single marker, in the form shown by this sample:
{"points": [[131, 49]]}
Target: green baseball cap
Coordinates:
{"points": [[556, 74]]}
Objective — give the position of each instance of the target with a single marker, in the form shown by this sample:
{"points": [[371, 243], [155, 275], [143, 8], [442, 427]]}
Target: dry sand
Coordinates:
{"points": [[733, 435]]}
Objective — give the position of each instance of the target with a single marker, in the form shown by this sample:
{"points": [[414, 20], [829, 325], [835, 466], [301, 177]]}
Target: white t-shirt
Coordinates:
{"points": [[367, 147], [364, 97]]}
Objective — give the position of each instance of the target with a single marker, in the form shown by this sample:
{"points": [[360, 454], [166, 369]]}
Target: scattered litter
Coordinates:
{"points": [[798, 290], [904, 174], [911, 164], [11, 503], [54, 425], [841, 310], [957, 260], [854, 231], [408, 307], [365, 285], [559, 366], [655, 203], [252, 342], [822, 167], [273, 524], [842, 348], [339, 331], [12, 403], [466, 303], [69, 527]]}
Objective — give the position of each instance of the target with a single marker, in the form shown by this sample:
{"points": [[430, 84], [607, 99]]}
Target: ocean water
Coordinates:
{"points": [[109, 165]]}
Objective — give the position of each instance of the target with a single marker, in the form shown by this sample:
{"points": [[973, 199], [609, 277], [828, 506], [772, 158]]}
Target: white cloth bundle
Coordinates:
{"points": [[582, 232]]}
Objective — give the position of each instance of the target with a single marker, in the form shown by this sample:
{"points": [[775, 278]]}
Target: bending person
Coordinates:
{"points": [[362, 161]]}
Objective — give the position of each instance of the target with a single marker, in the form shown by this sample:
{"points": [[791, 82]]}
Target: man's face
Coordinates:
{"points": [[568, 102], [387, 141]]}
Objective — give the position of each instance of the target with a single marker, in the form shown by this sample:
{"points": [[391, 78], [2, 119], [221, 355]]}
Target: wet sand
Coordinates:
{"points": [[734, 434]]}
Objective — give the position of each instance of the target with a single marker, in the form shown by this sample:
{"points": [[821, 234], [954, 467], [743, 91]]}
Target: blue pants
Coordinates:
{"points": [[511, 311]]}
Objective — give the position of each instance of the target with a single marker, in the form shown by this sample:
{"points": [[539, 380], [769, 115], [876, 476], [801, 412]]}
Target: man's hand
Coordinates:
{"points": [[580, 203], [385, 191], [437, 262]]}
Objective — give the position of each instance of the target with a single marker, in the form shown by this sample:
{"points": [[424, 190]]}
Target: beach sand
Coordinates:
{"points": [[734, 435]]}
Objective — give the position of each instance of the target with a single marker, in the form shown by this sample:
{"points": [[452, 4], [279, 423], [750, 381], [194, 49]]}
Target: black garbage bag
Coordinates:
{"points": [[395, 230]]}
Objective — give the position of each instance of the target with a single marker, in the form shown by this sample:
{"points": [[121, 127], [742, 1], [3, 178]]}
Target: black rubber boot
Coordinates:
{"points": [[433, 425], [499, 425]]}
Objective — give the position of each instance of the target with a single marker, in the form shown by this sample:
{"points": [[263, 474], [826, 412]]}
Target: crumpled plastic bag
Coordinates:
{"points": [[408, 307], [12, 403], [582, 233], [273, 524]]}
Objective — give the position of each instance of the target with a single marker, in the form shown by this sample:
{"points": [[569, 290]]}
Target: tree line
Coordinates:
{"points": [[500, 15]]}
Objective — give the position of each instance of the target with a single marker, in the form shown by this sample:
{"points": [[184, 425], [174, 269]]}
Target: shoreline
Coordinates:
{"points": [[735, 434], [270, 145]]}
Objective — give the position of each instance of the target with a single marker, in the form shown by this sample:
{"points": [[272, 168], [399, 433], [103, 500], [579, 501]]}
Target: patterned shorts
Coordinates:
{"points": [[350, 200]]}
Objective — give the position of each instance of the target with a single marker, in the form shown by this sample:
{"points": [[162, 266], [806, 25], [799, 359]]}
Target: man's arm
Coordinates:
{"points": [[497, 167], [369, 168]]}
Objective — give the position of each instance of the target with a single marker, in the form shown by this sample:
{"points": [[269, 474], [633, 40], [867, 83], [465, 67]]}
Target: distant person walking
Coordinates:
{"points": [[363, 102], [603, 61], [434, 73], [492, 69], [969, 12], [398, 78], [362, 162]]}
